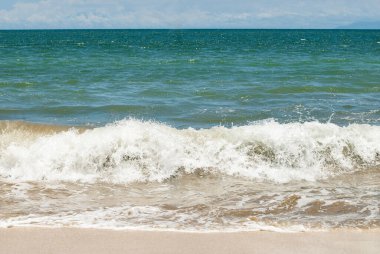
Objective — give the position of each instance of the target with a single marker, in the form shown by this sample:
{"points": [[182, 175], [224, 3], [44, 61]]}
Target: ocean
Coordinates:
{"points": [[190, 130]]}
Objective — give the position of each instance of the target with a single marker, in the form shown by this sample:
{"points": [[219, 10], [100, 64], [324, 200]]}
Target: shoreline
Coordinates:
{"points": [[95, 241]]}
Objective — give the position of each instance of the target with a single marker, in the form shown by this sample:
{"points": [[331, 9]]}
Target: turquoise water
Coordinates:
{"points": [[252, 129], [196, 78]]}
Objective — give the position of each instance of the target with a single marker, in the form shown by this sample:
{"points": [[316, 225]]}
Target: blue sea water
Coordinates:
{"points": [[221, 130], [190, 78]]}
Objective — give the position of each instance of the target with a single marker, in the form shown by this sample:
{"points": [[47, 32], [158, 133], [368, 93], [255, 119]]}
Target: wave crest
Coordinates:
{"points": [[133, 150]]}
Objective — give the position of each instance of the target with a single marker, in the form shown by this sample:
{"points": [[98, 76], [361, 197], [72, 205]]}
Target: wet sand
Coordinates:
{"points": [[93, 241]]}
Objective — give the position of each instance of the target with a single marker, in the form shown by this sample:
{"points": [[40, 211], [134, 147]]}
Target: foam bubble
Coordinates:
{"points": [[132, 150]]}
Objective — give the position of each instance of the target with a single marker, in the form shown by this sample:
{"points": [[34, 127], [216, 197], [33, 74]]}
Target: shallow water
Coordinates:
{"points": [[133, 174], [189, 203]]}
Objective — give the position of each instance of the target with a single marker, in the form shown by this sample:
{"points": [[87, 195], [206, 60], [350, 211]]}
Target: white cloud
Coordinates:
{"points": [[182, 13]]}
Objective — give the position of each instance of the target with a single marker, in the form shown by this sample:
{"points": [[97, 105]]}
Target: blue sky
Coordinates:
{"points": [[24, 14]]}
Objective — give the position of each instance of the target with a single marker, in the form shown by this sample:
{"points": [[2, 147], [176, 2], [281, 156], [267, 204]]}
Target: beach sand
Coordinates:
{"points": [[73, 240]]}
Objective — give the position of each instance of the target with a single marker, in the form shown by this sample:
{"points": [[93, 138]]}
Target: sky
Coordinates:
{"points": [[53, 14]]}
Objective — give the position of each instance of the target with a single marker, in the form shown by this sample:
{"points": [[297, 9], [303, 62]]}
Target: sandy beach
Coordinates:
{"points": [[72, 240]]}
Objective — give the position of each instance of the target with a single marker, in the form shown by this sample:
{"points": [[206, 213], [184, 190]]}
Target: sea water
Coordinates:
{"points": [[202, 130]]}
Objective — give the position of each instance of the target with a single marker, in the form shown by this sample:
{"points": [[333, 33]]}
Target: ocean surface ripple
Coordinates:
{"points": [[200, 130]]}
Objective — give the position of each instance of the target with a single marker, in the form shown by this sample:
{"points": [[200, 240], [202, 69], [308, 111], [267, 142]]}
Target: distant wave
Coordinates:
{"points": [[133, 150]]}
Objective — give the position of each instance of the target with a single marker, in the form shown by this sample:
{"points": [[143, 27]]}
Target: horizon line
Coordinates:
{"points": [[24, 29]]}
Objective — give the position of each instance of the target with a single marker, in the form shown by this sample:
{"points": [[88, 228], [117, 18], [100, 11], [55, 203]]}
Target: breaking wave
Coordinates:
{"points": [[133, 150]]}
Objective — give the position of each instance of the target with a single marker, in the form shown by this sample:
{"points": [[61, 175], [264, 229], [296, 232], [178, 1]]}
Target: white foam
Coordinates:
{"points": [[140, 218], [132, 150]]}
